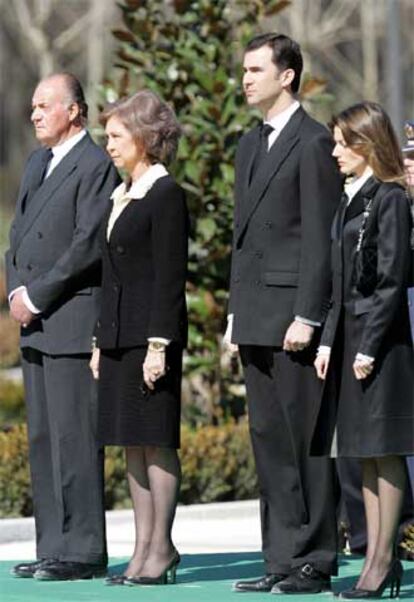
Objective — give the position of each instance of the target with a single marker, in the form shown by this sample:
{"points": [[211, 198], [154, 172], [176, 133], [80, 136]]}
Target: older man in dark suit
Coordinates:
{"points": [[287, 188], [53, 277]]}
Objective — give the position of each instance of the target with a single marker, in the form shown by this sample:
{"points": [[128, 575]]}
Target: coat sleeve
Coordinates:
{"points": [[13, 279], [394, 254], [169, 240], [92, 199], [320, 192]]}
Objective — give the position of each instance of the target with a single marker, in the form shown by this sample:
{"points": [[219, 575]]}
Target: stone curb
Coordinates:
{"points": [[22, 529]]}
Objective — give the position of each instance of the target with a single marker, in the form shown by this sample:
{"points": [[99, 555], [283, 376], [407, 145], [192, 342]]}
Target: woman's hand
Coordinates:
{"points": [[321, 365], [362, 368], [94, 363], [154, 366]]}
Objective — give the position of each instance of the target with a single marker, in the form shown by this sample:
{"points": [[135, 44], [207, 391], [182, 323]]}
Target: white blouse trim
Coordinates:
{"points": [[121, 197]]}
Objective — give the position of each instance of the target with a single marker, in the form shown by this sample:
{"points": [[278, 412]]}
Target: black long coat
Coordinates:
{"points": [[373, 417]]}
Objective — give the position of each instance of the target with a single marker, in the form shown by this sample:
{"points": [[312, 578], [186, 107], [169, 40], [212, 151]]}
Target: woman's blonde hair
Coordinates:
{"points": [[151, 122], [368, 131]]}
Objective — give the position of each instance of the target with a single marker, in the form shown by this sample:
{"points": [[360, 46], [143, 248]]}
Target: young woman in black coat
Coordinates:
{"points": [[366, 353], [142, 327]]}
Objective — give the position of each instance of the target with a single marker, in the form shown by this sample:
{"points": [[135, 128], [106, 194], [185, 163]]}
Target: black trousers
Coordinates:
{"points": [[297, 492], [65, 462]]}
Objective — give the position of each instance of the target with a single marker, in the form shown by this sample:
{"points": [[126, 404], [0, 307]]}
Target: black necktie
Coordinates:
{"points": [[46, 159], [262, 147]]}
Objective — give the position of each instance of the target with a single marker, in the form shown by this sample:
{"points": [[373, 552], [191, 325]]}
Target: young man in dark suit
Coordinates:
{"points": [[53, 278], [286, 191]]}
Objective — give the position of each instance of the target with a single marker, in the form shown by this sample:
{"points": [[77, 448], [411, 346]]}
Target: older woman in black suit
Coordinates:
{"points": [[366, 354], [142, 326]]}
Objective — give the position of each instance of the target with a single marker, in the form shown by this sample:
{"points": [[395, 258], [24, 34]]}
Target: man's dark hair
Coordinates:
{"points": [[286, 53], [77, 95]]}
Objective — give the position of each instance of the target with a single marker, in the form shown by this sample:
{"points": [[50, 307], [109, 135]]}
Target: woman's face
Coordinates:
{"points": [[121, 146], [349, 162]]}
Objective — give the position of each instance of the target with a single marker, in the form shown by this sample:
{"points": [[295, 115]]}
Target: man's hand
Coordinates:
{"points": [[94, 363], [409, 171], [19, 311], [154, 367], [231, 349], [298, 336], [321, 365], [362, 368]]}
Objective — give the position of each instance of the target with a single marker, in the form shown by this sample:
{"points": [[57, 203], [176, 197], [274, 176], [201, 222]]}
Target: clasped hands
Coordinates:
{"points": [[19, 311]]}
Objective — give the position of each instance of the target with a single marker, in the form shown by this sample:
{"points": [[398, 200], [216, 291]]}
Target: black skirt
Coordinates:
{"points": [[131, 415]]}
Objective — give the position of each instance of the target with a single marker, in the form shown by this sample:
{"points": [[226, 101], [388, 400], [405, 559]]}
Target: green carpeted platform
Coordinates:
{"points": [[201, 578]]}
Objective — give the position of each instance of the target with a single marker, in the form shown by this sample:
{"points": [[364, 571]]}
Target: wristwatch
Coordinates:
{"points": [[156, 346]]}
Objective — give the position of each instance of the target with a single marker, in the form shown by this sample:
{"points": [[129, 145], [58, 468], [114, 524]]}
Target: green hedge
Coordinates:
{"points": [[217, 465]]}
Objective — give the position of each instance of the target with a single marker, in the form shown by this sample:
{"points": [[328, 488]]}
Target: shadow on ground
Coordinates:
{"points": [[201, 578]]}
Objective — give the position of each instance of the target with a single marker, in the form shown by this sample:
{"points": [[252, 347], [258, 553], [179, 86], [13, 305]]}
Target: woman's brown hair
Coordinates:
{"points": [[151, 122], [368, 131]]}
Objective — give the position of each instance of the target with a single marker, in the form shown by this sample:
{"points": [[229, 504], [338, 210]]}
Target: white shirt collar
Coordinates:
{"points": [[279, 121], [354, 185], [61, 150], [140, 187]]}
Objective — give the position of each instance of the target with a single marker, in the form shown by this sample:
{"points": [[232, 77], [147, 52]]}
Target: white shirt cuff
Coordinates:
{"points": [[159, 340], [229, 329], [14, 291], [324, 350], [364, 358], [25, 299], [307, 322]]}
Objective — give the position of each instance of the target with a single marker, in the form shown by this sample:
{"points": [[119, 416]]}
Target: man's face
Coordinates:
{"points": [[51, 112], [261, 79]]}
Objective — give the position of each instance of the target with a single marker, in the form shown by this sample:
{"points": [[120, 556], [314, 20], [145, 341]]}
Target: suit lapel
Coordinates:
{"points": [[47, 188], [286, 141]]}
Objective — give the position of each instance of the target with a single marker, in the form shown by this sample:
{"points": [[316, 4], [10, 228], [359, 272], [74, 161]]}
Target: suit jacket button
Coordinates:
{"points": [[98, 324], [39, 235], [259, 254], [115, 287], [29, 267], [113, 324], [268, 224], [120, 249]]}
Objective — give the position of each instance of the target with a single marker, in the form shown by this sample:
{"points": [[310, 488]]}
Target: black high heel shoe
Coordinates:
{"points": [[392, 580], [168, 575]]}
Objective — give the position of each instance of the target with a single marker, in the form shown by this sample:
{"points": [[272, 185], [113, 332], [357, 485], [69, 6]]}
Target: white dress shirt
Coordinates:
{"points": [[59, 152]]}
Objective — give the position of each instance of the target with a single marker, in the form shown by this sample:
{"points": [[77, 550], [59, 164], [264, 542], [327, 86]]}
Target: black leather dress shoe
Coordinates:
{"points": [[69, 571], [263, 584], [28, 569], [304, 580]]}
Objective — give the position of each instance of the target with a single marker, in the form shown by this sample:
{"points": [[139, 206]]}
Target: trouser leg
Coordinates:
{"points": [[77, 460], [40, 456], [297, 492]]}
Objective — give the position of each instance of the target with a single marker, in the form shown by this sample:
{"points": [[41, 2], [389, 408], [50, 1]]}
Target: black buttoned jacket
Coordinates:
{"points": [[144, 267], [281, 244]]}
